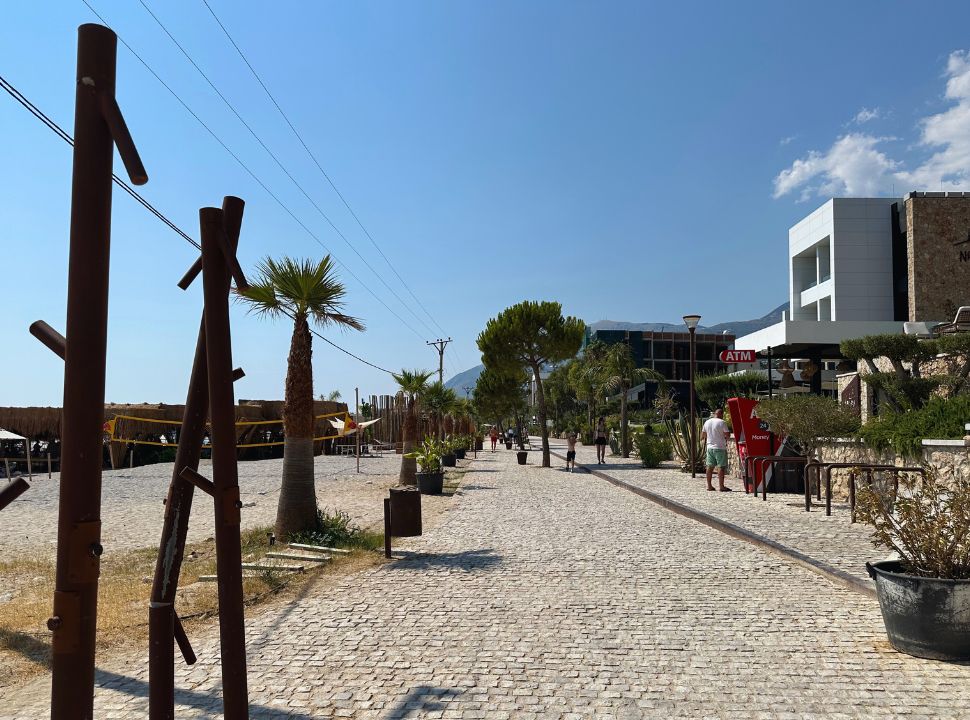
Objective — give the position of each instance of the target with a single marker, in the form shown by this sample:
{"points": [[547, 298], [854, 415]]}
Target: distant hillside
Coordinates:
{"points": [[465, 379], [735, 327]]}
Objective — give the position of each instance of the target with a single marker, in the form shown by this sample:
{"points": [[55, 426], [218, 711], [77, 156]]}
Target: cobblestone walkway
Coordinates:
{"points": [[552, 595], [831, 540]]}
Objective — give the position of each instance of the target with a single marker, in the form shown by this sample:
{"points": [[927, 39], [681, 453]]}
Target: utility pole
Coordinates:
{"points": [[439, 345]]}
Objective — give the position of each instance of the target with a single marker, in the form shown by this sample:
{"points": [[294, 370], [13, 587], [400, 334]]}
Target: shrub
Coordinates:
{"points": [[714, 390], [337, 529], [808, 419], [652, 449], [903, 432], [926, 522]]}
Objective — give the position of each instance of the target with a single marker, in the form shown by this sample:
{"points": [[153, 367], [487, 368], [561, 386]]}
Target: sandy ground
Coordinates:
{"points": [[131, 502]]}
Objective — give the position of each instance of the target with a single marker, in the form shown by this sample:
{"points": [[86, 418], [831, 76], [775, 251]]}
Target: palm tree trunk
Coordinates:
{"points": [[624, 425], [543, 430], [297, 509], [409, 466]]}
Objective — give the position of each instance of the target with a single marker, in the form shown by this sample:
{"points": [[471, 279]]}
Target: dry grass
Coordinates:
{"points": [[123, 593]]}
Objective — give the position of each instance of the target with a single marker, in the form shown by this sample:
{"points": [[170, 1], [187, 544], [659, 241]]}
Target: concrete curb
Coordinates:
{"points": [[840, 577]]}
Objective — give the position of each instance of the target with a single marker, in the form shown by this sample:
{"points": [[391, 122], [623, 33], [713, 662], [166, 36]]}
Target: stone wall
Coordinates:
{"points": [[938, 254], [950, 458]]}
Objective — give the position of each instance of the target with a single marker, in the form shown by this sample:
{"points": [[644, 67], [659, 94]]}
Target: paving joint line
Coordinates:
{"points": [[833, 574]]}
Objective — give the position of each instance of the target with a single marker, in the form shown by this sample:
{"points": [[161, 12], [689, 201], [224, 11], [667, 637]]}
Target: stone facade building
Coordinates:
{"points": [[935, 228]]}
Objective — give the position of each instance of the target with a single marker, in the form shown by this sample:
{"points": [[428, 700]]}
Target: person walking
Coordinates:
{"points": [[600, 441], [493, 436], [715, 432], [571, 451]]}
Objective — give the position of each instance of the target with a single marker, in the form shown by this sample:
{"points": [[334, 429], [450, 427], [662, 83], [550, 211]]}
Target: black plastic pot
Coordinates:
{"points": [[508, 445], [430, 483], [479, 444], [405, 512], [522, 456], [460, 453], [449, 460], [925, 617]]}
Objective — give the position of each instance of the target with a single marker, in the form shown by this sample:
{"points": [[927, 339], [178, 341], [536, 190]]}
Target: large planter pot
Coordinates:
{"points": [[460, 453], [449, 460], [925, 617], [479, 444], [508, 445], [405, 512], [430, 483], [522, 456]]}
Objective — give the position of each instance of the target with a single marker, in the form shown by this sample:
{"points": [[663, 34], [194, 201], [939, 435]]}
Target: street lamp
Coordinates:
{"points": [[691, 322]]}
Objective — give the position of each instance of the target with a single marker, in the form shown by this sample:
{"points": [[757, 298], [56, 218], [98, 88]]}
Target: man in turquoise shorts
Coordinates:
{"points": [[716, 432]]}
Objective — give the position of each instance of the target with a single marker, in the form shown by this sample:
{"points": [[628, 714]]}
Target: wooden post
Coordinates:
{"points": [[6, 465], [48, 466]]}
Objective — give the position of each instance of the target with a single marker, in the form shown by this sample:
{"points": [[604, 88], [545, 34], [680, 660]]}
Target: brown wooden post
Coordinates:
{"points": [[74, 619], [225, 474]]}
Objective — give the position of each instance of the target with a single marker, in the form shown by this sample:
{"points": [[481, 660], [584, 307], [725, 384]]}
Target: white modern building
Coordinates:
{"points": [[841, 278], [841, 262]]}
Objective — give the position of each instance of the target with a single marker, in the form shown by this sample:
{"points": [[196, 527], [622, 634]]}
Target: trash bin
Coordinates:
{"points": [[405, 512]]}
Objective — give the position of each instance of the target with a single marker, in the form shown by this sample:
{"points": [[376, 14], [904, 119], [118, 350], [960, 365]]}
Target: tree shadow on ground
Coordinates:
{"points": [[468, 560], [208, 702], [417, 701], [477, 486], [28, 646]]}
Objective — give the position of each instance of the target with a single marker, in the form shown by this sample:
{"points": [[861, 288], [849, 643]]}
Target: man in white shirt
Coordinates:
{"points": [[715, 433]]}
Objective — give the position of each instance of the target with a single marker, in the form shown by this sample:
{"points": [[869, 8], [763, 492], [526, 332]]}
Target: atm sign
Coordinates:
{"points": [[737, 356]]}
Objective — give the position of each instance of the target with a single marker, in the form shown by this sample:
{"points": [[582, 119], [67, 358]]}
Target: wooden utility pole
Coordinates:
{"points": [[439, 345]]}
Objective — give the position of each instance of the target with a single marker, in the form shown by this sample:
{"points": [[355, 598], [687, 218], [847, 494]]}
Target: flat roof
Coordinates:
{"points": [[810, 338]]}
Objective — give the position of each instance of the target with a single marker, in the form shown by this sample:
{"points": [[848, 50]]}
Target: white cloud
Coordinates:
{"points": [[854, 165], [947, 134], [857, 163], [786, 140], [865, 115]]}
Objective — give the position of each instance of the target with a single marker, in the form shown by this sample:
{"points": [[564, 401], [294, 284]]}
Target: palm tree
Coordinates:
{"points": [[438, 400], [585, 376], [620, 373], [305, 291], [413, 383]]}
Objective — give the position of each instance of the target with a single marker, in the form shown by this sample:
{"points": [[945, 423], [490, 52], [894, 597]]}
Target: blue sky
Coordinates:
{"points": [[635, 161]]}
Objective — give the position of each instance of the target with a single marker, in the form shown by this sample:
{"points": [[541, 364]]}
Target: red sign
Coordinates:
{"points": [[737, 356]]}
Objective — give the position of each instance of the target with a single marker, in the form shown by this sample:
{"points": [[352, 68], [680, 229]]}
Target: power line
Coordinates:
{"points": [[317, 163], [278, 162], [61, 133], [250, 172], [346, 352]]}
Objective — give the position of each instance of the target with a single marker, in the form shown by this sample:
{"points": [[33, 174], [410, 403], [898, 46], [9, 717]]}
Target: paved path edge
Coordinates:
{"points": [[809, 563]]}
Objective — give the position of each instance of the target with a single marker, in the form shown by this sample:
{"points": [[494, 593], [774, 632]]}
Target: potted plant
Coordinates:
{"points": [[461, 446], [522, 456], [448, 456], [925, 594], [430, 476]]}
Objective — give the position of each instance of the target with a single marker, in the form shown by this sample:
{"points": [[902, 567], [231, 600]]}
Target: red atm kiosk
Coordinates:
{"points": [[752, 437]]}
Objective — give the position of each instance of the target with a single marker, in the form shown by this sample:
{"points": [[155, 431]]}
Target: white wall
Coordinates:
{"points": [[852, 239]]}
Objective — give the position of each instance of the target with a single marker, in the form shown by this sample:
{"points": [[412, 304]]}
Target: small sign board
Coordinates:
{"points": [[737, 356]]}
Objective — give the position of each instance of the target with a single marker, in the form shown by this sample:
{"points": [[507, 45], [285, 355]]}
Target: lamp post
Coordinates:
{"points": [[691, 322]]}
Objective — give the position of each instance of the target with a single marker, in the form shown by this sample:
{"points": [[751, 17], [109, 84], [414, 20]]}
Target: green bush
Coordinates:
{"points": [[652, 449], [337, 529], [808, 419], [940, 419], [714, 390]]}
